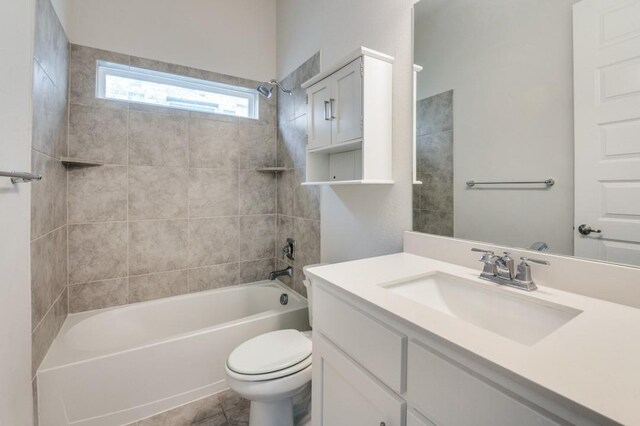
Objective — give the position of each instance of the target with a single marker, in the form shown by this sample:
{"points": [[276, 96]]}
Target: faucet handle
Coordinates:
{"points": [[538, 261], [482, 251]]}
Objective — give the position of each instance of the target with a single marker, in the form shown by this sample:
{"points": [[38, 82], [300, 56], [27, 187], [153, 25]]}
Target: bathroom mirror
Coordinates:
{"points": [[503, 153]]}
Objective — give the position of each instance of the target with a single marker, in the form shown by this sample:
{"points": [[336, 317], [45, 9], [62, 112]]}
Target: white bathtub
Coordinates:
{"points": [[119, 365]]}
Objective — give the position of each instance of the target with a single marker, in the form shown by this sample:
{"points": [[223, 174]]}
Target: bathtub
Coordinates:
{"points": [[119, 365]]}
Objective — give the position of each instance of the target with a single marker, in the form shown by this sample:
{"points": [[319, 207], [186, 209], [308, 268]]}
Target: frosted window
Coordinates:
{"points": [[124, 83]]}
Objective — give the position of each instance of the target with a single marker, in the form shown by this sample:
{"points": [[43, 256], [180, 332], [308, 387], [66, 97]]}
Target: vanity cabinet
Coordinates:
{"points": [[349, 121], [371, 368]]}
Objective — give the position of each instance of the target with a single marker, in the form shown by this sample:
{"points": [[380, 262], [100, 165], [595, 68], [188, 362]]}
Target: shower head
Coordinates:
{"points": [[264, 91], [267, 92]]}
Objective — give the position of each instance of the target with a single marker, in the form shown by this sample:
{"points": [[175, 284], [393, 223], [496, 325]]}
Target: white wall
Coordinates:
{"points": [[236, 37], [358, 221], [510, 65], [16, 68]]}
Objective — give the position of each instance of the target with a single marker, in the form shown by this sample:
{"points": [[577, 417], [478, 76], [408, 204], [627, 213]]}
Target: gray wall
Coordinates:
{"points": [[48, 196], [298, 206], [178, 207], [433, 200]]}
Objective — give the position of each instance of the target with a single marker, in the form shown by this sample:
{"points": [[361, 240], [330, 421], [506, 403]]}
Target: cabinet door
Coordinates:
{"points": [[346, 103], [451, 395], [319, 121], [345, 395]]}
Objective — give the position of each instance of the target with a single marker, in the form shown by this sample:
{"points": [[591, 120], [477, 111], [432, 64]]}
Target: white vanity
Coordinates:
{"points": [[408, 340]]}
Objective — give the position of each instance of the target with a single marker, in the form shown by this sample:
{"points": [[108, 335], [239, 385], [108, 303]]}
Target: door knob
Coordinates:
{"points": [[586, 230]]}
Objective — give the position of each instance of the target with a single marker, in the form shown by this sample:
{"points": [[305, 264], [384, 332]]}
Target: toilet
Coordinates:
{"points": [[273, 370]]}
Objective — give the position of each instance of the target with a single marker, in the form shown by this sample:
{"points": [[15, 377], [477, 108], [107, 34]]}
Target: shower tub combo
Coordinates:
{"points": [[118, 365]]}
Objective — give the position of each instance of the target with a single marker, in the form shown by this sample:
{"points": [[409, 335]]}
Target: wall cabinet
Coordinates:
{"points": [[370, 368], [349, 121]]}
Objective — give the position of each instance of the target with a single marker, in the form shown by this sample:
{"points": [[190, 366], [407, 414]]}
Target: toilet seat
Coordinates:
{"points": [[270, 356]]}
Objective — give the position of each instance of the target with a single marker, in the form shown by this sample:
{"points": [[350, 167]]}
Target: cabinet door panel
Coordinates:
{"points": [[377, 347], [347, 103], [451, 395], [345, 395], [319, 120]]}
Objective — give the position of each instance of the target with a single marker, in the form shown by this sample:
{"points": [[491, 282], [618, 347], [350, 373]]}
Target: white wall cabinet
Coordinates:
{"points": [[370, 368], [349, 121]]}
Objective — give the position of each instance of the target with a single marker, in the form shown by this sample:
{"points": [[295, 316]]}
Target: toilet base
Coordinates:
{"points": [[274, 413]]}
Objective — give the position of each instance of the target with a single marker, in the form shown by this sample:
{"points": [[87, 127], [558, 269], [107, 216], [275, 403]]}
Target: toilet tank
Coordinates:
{"points": [[309, 285]]}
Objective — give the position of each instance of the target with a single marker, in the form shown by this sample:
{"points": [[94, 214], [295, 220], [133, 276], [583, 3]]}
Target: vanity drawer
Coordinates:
{"points": [[377, 347], [451, 395]]}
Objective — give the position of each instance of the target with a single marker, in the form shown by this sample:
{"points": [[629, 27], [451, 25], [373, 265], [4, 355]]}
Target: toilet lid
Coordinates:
{"points": [[270, 352]]}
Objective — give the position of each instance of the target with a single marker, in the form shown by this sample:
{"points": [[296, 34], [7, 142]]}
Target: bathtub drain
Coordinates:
{"points": [[284, 298]]}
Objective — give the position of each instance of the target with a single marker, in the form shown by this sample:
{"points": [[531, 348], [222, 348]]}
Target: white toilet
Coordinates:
{"points": [[271, 370]]}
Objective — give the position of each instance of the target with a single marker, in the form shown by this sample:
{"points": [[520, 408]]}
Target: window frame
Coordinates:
{"points": [[104, 69]]}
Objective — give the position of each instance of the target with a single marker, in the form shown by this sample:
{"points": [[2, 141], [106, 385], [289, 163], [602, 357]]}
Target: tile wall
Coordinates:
{"points": [[298, 206], [433, 200], [178, 206], [48, 196]]}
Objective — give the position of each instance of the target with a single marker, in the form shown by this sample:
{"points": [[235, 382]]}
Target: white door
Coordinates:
{"points": [[607, 130], [16, 69], [319, 124], [345, 395], [346, 103]]}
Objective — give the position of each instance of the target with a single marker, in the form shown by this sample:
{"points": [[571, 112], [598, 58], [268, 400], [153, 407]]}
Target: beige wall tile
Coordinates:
{"points": [[98, 134], [256, 270], [97, 251], [306, 202], [156, 286], [47, 330], [82, 75], [157, 246], [258, 146], [213, 241], [41, 195], [158, 139], [308, 242], [213, 192], [43, 277], [257, 192], [211, 277], [158, 192], [59, 196], [213, 143], [97, 194], [51, 47], [98, 295], [257, 237], [49, 112]]}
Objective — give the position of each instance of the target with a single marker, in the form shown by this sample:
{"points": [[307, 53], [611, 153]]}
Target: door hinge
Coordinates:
{"points": [[362, 70], [362, 124], [306, 139], [306, 99]]}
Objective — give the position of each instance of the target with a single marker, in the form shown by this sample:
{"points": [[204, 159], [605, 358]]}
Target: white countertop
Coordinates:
{"points": [[593, 360]]}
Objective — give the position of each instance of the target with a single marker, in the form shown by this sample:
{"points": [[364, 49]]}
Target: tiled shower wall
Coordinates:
{"points": [[298, 206], [178, 206], [433, 200], [48, 196]]}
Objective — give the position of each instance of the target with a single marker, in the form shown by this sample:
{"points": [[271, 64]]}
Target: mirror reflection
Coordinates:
{"points": [[527, 136]]}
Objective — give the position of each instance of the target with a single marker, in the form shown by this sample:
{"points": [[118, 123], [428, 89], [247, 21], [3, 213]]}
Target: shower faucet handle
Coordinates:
{"points": [[289, 249]]}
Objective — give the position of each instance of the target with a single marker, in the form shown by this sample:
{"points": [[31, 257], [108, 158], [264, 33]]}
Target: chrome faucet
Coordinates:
{"points": [[281, 273], [503, 270]]}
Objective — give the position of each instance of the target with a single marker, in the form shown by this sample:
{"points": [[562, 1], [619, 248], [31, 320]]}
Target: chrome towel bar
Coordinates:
{"points": [[548, 182], [17, 177]]}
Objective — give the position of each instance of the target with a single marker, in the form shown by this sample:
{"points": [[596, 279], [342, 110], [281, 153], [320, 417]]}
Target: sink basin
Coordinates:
{"points": [[520, 318]]}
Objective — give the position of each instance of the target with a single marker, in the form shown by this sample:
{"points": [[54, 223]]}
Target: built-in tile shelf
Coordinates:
{"points": [[69, 161], [271, 169]]}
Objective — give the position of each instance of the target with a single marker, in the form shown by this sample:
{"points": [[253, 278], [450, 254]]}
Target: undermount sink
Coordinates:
{"points": [[520, 318]]}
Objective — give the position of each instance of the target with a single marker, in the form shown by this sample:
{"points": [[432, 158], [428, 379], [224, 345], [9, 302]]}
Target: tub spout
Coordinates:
{"points": [[284, 272]]}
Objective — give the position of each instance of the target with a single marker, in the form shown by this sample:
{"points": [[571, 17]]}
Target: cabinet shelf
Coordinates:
{"points": [[350, 182], [338, 148]]}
